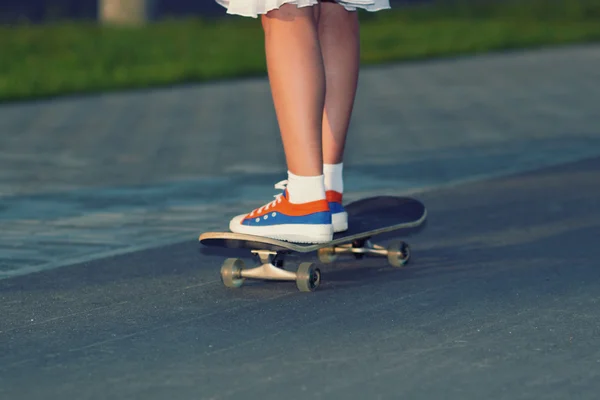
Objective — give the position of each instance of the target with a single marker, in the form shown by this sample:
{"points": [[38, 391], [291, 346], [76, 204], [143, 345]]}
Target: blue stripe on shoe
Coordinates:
{"points": [[336, 207], [319, 218]]}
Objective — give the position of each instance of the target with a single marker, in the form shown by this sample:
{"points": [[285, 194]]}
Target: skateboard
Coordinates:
{"points": [[367, 218]]}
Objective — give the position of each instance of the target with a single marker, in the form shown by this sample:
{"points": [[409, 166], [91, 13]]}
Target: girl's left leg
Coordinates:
{"points": [[297, 80]]}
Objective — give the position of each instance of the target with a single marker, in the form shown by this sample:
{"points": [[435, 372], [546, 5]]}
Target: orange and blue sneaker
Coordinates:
{"points": [[339, 216], [300, 223]]}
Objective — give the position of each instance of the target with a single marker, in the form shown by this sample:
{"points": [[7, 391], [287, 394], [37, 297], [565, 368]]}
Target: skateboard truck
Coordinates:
{"points": [[397, 252], [307, 277], [233, 271]]}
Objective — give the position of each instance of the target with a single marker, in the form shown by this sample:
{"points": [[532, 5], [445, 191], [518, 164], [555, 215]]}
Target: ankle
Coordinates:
{"points": [[334, 177], [304, 189]]}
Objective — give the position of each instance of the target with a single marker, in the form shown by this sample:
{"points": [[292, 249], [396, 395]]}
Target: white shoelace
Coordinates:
{"points": [[282, 185]]}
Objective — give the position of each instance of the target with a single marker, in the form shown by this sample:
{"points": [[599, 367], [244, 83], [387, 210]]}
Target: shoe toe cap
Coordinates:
{"points": [[236, 223]]}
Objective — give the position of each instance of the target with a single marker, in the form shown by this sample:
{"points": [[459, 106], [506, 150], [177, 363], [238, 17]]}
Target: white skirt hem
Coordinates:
{"points": [[254, 8]]}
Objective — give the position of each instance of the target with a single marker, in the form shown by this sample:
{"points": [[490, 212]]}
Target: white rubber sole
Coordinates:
{"points": [[290, 233], [340, 222]]}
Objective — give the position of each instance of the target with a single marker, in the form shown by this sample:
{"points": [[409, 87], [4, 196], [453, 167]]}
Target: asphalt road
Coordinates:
{"points": [[83, 178], [501, 301], [105, 293]]}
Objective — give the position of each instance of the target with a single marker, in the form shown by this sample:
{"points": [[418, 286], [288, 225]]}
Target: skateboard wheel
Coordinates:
{"points": [[308, 277], [359, 244], [327, 255], [398, 254], [231, 273]]}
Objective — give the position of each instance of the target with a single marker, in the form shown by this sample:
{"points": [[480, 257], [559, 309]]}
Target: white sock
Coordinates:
{"points": [[303, 189], [334, 179]]}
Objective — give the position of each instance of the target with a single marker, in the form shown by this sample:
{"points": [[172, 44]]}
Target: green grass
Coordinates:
{"points": [[67, 58]]}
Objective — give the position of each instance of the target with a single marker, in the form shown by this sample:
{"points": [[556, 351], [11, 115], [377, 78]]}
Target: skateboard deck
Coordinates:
{"points": [[369, 217]]}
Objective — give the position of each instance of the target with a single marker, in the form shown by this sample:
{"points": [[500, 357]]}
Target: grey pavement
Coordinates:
{"points": [[410, 112], [501, 301], [104, 292], [88, 177]]}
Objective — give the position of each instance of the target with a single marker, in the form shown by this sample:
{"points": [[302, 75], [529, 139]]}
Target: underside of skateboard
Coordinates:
{"points": [[307, 276]]}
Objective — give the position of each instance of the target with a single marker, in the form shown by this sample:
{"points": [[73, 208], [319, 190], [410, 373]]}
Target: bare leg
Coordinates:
{"points": [[339, 36], [297, 78]]}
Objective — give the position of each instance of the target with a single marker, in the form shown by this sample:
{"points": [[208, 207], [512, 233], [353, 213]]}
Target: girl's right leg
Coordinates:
{"points": [[339, 37]]}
